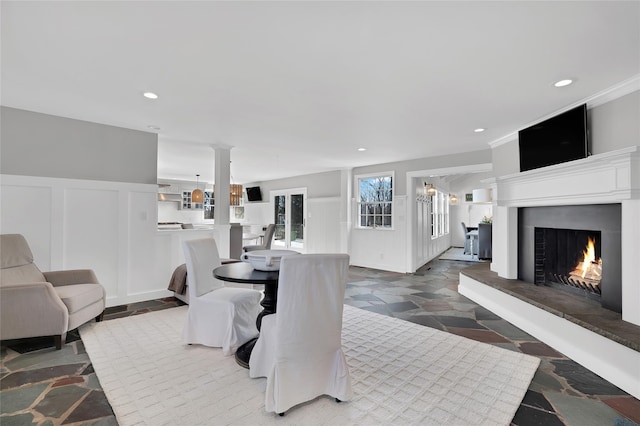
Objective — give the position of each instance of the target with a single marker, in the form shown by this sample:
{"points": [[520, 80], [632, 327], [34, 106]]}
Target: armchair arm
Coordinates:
{"points": [[31, 310], [71, 276]]}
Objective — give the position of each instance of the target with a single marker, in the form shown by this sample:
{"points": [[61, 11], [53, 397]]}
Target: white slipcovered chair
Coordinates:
{"points": [[218, 316], [299, 350]]}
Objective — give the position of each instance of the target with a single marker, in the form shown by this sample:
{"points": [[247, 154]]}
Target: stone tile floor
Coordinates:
{"points": [[42, 386]]}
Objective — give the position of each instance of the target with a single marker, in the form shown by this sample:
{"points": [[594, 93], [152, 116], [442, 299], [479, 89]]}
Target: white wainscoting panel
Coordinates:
{"points": [[109, 227], [91, 233], [141, 260], [323, 225], [381, 248], [26, 210]]}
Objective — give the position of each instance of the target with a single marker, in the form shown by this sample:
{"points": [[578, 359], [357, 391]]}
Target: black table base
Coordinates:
{"points": [[243, 354], [245, 274]]}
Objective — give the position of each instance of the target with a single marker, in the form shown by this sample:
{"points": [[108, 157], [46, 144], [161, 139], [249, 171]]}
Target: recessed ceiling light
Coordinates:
{"points": [[152, 127], [563, 83], [150, 95], [362, 149], [479, 130]]}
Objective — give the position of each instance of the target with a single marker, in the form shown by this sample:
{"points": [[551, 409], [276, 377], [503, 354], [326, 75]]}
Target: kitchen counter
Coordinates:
{"points": [[178, 227]]}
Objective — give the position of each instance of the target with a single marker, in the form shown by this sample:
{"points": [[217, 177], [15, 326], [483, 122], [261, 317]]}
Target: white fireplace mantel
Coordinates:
{"points": [[612, 177], [600, 179]]}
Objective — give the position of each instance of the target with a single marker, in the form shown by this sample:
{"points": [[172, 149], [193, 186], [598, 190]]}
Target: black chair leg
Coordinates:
{"points": [[57, 339], [338, 401], [281, 414], [100, 317]]}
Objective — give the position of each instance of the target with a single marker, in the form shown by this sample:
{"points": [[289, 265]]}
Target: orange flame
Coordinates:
{"points": [[589, 257]]}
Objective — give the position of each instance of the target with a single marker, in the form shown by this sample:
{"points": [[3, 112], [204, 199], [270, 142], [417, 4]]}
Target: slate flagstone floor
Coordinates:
{"points": [[42, 386]]}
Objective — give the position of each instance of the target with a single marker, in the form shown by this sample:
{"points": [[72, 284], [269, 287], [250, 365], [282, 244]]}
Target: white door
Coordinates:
{"points": [[289, 212]]}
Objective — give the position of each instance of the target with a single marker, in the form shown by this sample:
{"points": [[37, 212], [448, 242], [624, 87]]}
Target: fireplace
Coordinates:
{"points": [[583, 331], [573, 248]]}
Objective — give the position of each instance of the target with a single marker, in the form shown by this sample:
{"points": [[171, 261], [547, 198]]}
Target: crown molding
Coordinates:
{"points": [[614, 92]]}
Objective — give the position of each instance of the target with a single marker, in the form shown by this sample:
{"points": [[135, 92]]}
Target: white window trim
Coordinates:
{"points": [[356, 184]]}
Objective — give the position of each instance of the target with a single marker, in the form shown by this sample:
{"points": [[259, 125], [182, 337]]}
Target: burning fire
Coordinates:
{"points": [[589, 269]]}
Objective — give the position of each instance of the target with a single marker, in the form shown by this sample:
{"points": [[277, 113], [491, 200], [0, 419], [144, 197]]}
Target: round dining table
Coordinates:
{"points": [[243, 273]]}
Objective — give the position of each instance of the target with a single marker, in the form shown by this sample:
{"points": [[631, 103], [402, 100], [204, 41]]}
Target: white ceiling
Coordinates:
{"points": [[297, 87]]}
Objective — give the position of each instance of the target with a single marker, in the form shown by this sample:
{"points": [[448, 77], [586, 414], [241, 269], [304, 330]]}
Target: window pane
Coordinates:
{"points": [[375, 198]]}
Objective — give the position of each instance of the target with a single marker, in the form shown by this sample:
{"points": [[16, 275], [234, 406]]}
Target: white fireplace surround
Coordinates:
{"points": [[612, 177]]}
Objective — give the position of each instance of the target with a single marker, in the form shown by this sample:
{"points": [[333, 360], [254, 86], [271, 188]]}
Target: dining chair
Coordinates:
{"points": [[218, 316], [299, 350], [266, 240]]}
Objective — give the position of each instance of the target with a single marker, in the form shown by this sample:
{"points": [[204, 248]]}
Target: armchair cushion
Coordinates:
{"points": [[79, 296]]}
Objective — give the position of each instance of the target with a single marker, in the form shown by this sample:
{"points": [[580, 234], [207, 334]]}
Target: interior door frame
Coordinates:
{"points": [[287, 193]]}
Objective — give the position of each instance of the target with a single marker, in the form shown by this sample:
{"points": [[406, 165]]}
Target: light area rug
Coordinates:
{"points": [[402, 373], [457, 253]]}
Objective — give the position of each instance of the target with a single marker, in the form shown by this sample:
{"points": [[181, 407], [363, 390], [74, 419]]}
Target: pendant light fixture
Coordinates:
{"points": [[197, 196], [429, 189], [235, 194], [235, 191]]}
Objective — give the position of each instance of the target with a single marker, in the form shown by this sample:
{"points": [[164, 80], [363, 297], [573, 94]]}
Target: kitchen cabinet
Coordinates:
{"points": [[206, 205], [187, 204]]}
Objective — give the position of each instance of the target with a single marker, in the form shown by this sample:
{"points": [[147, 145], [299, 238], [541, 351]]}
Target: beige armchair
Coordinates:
{"points": [[35, 304]]}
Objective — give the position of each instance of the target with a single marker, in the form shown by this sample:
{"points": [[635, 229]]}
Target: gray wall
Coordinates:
{"points": [[402, 167], [34, 144], [506, 159], [616, 124], [612, 126], [318, 185]]}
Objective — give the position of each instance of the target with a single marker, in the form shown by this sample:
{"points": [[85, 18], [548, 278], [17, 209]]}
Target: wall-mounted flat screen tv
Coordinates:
{"points": [[254, 194], [556, 140]]}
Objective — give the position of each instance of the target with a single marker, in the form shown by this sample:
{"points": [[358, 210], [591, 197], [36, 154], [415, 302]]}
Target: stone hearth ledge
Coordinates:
{"points": [[595, 337]]}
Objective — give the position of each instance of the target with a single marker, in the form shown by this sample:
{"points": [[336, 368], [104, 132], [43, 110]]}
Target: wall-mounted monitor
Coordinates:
{"points": [[557, 140], [254, 194]]}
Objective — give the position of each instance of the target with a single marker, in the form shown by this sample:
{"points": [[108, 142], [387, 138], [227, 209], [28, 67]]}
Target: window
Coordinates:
{"points": [[439, 203], [375, 200]]}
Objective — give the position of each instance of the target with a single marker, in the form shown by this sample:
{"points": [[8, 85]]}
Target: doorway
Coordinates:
{"points": [[289, 209]]}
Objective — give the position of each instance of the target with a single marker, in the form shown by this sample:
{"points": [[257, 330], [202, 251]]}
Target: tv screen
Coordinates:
{"points": [[254, 194], [556, 140]]}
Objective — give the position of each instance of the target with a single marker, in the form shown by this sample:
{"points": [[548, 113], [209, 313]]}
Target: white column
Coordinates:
{"points": [[505, 242], [222, 180], [221, 195], [346, 180]]}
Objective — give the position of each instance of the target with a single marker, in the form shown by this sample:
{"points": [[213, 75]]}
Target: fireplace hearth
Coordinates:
{"points": [[573, 248]]}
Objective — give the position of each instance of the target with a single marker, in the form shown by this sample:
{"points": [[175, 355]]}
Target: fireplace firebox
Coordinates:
{"points": [[569, 259], [574, 248]]}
